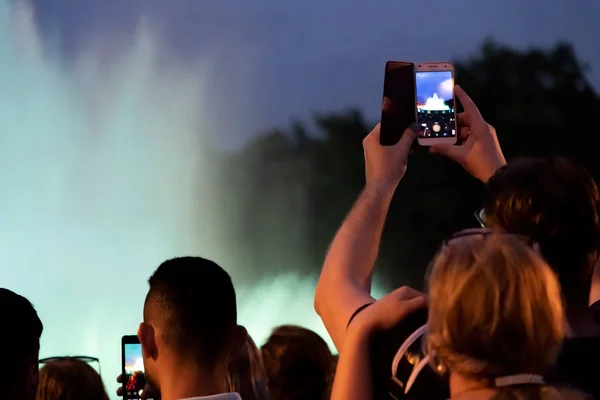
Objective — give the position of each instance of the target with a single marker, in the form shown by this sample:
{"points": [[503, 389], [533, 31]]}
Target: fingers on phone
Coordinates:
{"points": [[461, 119], [468, 104], [416, 128], [374, 135], [463, 133]]}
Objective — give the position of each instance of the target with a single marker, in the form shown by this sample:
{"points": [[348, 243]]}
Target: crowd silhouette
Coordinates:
{"points": [[510, 307]]}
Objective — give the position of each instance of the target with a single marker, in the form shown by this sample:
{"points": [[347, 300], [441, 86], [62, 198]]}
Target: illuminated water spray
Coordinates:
{"points": [[103, 176]]}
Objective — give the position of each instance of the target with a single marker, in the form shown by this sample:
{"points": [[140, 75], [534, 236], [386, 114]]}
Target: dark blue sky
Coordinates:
{"points": [[281, 59]]}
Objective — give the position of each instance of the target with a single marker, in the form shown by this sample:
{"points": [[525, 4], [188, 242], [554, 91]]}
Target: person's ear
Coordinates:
{"points": [[146, 334], [238, 340]]}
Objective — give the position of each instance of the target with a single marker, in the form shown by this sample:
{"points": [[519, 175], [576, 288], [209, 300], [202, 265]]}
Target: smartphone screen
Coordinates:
{"points": [[435, 104], [398, 105], [134, 379]]}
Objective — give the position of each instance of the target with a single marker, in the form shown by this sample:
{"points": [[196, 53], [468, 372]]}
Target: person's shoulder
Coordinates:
{"points": [[400, 367], [575, 365], [575, 346]]}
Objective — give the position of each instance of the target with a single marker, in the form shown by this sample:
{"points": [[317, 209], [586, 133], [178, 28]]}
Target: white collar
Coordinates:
{"points": [[222, 396]]}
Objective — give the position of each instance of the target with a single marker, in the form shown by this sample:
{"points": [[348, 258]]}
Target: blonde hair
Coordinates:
{"points": [[495, 307]]}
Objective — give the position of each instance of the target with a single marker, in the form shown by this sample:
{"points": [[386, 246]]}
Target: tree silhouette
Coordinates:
{"points": [[292, 188]]}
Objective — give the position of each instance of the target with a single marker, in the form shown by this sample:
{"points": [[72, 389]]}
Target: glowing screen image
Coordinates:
{"points": [[435, 103], [134, 371]]}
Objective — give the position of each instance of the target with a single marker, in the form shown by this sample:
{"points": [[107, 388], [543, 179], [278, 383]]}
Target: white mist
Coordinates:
{"points": [[102, 177]]}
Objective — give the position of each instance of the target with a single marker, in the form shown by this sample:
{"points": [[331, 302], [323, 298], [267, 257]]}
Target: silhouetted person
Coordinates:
{"points": [[246, 373], [557, 204], [70, 379], [20, 332], [298, 364], [495, 326], [190, 330], [553, 202], [334, 364]]}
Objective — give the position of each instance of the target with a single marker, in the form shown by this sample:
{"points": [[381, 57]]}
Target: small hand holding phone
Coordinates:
{"points": [[436, 111], [398, 109], [132, 362]]}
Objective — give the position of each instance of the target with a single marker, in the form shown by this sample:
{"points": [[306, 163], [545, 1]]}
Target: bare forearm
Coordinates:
{"points": [[354, 249], [345, 282], [353, 374]]}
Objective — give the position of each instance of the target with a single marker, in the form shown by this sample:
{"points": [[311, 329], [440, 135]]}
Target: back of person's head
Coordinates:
{"points": [[495, 307], [20, 335], [190, 314], [70, 379], [298, 363], [246, 373], [556, 203], [334, 363]]}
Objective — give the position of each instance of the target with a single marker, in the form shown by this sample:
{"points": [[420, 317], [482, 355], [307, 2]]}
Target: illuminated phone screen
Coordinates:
{"points": [[435, 103], [133, 371]]}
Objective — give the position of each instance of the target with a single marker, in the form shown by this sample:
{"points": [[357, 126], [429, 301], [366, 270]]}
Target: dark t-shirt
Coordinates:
{"points": [[576, 365], [385, 345]]}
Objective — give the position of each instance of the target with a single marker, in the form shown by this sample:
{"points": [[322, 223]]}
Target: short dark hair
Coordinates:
{"points": [[194, 301], [555, 202], [20, 338]]}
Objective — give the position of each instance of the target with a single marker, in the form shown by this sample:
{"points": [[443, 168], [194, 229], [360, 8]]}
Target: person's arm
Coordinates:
{"points": [[353, 374], [345, 281], [480, 153]]}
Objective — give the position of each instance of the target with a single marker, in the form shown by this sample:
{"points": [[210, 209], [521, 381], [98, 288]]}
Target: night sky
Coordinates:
{"points": [[279, 60], [89, 211]]}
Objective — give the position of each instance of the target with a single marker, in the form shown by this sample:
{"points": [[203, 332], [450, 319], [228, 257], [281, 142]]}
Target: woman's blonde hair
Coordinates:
{"points": [[495, 307]]}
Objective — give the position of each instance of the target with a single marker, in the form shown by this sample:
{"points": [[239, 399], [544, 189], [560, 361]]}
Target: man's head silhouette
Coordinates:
{"points": [[190, 328], [20, 337]]}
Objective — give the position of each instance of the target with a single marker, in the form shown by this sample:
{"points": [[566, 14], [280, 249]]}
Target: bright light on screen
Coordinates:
{"points": [[103, 177], [434, 89]]}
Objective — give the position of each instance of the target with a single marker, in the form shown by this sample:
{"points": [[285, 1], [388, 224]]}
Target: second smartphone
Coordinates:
{"points": [[398, 109], [132, 365], [436, 111]]}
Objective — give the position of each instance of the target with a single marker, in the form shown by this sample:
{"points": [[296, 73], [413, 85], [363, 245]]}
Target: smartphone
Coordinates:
{"points": [[398, 109], [436, 112], [132, 362]]}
